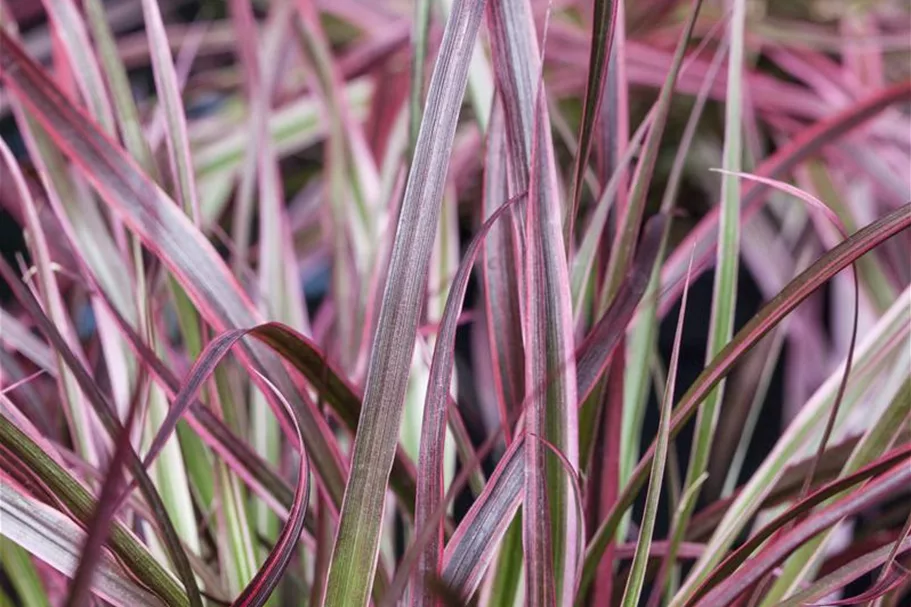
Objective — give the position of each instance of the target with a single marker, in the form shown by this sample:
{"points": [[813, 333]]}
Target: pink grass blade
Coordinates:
{"points": [[764, 321], [74, 39], [126, 113], [106, 508], [106, 413], [430, 463], [723, 588], [551, 527], [727, 263], [169, 95], [501, 278], [822, 207], [357, 541], [631, 222], [594, 354], [55, 540], [841, 577], [79, 420], [800, 147], [470, 549], [604, 23], [279, 282], [165, 231], [78, 504], [264, 582]]}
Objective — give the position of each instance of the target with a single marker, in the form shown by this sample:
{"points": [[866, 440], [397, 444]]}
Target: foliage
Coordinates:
{"points": [[338, 303]]}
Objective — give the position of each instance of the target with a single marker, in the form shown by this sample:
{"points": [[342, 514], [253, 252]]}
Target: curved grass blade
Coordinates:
{"points": [[264, 582], [800, 147], [357, 541], [55, 539], [728, 589], [80, 505], [105, 411], [469, 551], [430, 462], [765, 320], [165, 231]]}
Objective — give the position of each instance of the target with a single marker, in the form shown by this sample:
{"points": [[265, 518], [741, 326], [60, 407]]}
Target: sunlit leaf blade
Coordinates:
{"points": [[764, 321], [357, 540]]}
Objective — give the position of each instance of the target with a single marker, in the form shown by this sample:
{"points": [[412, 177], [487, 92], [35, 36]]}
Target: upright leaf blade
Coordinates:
{"points": [[357, 541], [551, 527]]}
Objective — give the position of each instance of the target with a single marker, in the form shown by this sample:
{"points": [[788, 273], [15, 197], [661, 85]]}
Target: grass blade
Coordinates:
{"points": [[80, 505], [165, 231], [468, 552], [501, 278], [168, 90], [800, 147], [636, 578], [603, 24], [727, 263], [551, 530], [768, 317], [430, 463], [732, 586], [56, 540], [105, 411], [357, 539]]}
